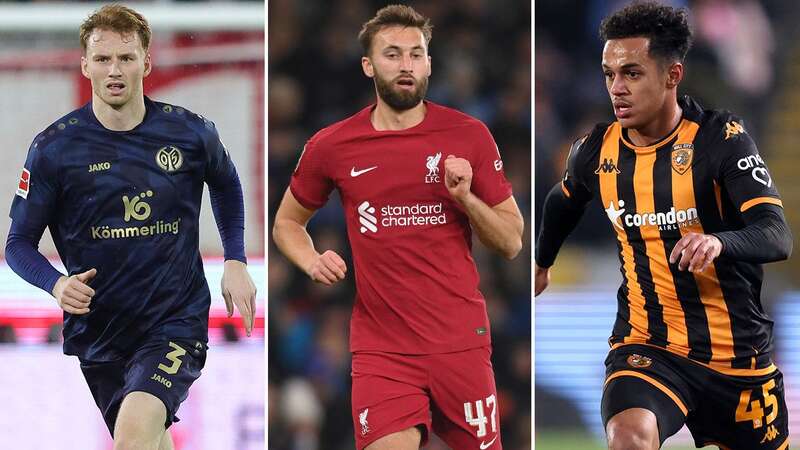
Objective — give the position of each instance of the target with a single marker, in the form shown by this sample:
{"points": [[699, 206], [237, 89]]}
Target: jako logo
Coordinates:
{"points": [[665, 221], [135, 207], [367, 217]]}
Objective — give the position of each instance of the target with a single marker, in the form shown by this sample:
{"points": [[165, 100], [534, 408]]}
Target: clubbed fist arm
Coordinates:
{"points": [[73, 293]]}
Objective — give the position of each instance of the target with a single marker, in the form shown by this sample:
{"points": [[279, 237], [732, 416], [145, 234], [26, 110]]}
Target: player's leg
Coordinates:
{"points": [[408, 439], [140, 422], [166, 441], [390, 405], [466, 413], [633, 429], [645, 399]]}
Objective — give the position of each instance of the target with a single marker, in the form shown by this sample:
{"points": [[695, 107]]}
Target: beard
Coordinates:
{"points": [[400, 100]]}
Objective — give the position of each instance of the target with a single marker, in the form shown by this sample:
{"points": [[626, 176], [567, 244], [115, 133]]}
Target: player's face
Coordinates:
{"points": [[400, 65], [636, 82], [116, 64]]}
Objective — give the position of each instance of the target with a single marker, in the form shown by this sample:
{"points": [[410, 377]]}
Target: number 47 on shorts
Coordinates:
{"points": [[480, 420]]}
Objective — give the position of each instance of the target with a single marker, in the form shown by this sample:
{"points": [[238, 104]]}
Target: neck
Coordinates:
{"points": [[124, 118], [386, 118], [658, 128]]}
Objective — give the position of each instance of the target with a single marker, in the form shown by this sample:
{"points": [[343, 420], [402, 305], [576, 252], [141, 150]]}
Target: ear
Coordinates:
{"points": [[148, 64], [84, 66], [366, 66], [674, 75]]}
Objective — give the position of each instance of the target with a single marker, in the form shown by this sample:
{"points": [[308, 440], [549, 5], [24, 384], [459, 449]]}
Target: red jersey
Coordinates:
{"points": [[416, 282]]}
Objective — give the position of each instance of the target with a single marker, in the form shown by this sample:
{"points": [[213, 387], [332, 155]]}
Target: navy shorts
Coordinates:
{"points": [[731, 412], [162, 368]]}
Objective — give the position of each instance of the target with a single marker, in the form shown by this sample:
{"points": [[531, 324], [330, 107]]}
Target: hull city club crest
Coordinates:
{"points": [[682, 157]]}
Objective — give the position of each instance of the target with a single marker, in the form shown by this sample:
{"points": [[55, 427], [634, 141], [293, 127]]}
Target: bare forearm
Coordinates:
{"points": [[499, 230], [294, 242]]}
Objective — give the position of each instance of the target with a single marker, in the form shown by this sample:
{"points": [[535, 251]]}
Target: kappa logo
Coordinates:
{"points": [[366, 217], [733, 128], [607, 166], [432, 163], [772, 433], [169, 158], [24, 183], [362, 419]]}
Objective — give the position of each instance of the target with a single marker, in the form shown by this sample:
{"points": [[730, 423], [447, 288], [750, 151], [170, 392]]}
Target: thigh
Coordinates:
{"points": [[465, 406], [106, 381], [166, 370], [742, 413], [140, 422], [641, 377], [389, 396]]}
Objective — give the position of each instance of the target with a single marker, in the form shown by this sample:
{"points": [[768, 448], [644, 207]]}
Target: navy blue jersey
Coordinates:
{"points": [[127, 203]]}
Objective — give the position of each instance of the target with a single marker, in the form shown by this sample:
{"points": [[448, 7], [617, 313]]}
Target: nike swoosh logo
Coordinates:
{"points": [[484, 446], [355, 173]]}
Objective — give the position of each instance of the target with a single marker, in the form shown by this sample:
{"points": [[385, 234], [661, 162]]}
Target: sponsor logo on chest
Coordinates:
{"points": [[371, 219]]}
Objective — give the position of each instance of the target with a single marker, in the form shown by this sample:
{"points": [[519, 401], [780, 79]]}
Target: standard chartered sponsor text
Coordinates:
{"points": [[160, 227], [412, 215]]}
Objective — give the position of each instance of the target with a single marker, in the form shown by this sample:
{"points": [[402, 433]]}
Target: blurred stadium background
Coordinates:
{"points": [[481, 65], [745, 59], [209, 58]]}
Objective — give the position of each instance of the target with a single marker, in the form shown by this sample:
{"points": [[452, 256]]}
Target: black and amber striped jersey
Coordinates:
{"points": [[700, 178]]}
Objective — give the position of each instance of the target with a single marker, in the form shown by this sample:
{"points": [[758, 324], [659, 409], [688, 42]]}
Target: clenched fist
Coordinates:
{"points": [[457, 177], [73, 293]]}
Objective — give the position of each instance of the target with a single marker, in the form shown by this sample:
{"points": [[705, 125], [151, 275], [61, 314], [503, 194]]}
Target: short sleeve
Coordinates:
{"points": [[310, 183], [489, 181], [37, 189], [743, 172]]}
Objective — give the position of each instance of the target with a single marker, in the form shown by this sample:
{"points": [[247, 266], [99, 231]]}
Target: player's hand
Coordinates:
{"points": [[541, 277], [457, 177], [73, 293], [238, 289], [696, 251], [327, 268]]}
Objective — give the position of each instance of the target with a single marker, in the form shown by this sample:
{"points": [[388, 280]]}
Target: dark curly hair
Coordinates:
{"points": [[666, 27]]}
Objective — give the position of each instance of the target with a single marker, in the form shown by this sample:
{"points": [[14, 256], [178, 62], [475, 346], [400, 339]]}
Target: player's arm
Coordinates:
{"points": [[292, 239], [563, 209], [227, 202], [72, 293], [765, 237]]}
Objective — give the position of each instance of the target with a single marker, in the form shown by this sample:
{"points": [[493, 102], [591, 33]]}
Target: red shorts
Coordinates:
{"points": [[452, 393]]}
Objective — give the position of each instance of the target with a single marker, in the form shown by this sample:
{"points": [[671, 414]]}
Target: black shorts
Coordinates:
{"points": [[162, 368], [732, 412]]}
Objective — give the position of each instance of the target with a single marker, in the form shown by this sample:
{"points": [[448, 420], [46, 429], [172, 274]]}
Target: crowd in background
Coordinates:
{"points": [[481, 53]]}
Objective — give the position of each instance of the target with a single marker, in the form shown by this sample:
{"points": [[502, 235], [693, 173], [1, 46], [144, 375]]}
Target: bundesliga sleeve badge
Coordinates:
{"points": [[24, 183]]}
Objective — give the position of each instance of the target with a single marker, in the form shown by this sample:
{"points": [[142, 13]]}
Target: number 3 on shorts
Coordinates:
{"points": [[479, 420], [174, 356], [752, 411]]}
